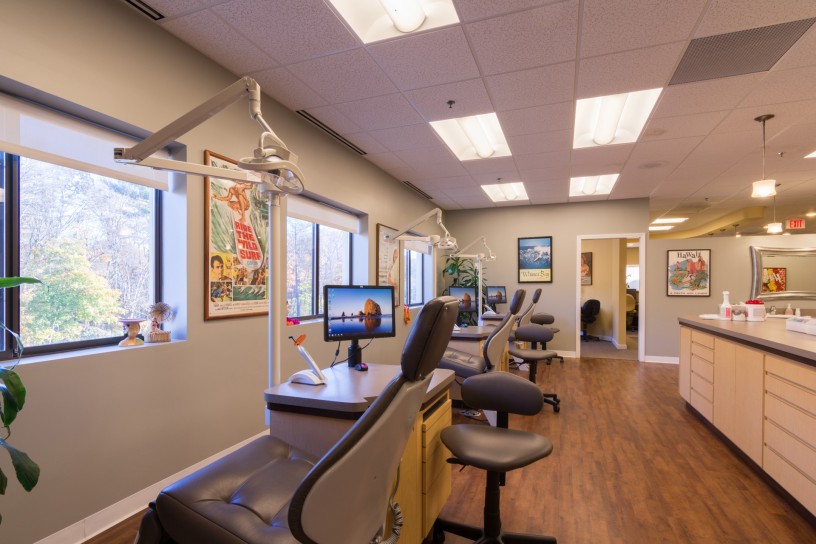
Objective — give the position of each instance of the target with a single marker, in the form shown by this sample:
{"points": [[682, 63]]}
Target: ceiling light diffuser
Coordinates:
{"points": [[774, 228], [811, 156], [475, 137], [613, 119], [669, 220], [592, 185], [376, 20], [506, 192], [661, 227]]}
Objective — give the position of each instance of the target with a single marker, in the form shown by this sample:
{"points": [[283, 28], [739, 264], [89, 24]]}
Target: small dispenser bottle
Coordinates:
{"points": [[725, 307], [789, 310]]}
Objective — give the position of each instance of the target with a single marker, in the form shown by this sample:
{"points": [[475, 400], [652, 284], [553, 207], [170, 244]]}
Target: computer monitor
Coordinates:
{"points": [[466, 297], [496, 294], [358, 312]]}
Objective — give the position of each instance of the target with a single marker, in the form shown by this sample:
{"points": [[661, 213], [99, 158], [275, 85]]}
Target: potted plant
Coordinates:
{"points": [[11, 402]]}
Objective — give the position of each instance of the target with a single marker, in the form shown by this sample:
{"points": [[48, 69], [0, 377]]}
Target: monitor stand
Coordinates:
{"points": [[355, 354]]}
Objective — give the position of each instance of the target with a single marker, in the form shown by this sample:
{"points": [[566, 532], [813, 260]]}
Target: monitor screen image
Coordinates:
{"points": [[466, 297], [496, 294], [355, 312]]}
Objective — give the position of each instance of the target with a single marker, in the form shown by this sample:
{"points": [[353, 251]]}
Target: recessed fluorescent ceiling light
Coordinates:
{"points": [[506, 192], [668, 220], [661, 227], [811, 156], [592, 185], [613, 119], [476, 137], [375, 20]]}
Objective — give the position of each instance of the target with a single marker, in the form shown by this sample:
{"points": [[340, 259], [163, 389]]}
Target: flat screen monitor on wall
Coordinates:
{"points": [[466, 297], [358, 312], [496, 294]]}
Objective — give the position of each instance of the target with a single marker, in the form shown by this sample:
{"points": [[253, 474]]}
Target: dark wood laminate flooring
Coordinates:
{"points": [[630, 465]]}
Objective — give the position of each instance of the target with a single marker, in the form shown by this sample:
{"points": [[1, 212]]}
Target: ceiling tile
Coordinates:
{"points": [[439, 169], [541, 36], [470, 99], [535, 87], [386, 160], [593, 161], [366, 142], [350, 75], [418, 136], [724, 16], [289, 31], [669, 128], [552, 117], [387, 111], [426, 59], [543, 142], [287, 89], [801, 54], [705, 96], [621, 25], [783, 86], [174, 8], [431, 155], [331, 117], [471, 10]]}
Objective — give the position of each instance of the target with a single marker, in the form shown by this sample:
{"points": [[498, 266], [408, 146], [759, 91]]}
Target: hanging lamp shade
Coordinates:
{"points": [[764, 187]]}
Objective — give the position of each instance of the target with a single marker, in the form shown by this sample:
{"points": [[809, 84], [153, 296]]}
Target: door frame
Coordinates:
{"points": [[641, 237]]}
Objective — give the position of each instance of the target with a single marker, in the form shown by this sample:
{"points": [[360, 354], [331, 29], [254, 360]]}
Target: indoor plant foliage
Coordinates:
{"points": [[11, 402]]}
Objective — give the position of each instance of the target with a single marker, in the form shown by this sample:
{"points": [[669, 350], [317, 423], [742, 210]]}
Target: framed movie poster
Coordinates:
{"points": [[774, 280], [535, 260], [688, 273], [236, 245], [586, 268], [388, 261]]}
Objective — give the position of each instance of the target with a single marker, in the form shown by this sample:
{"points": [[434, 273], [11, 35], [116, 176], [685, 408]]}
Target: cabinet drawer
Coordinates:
{"points": [[434, 421], [796, 422], [790, 448], [433, 500], [702, 368], [702, 387], [798, 396], [698, 337], [802, 375], [701, 404], [703, 352], [802, 488]]}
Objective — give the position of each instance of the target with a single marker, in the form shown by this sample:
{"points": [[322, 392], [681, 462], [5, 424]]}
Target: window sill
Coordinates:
{"points": [[88, 352]]}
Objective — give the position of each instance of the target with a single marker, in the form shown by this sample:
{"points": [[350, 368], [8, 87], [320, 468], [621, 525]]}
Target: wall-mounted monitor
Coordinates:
{"points": [[466, 297], [496, 294], [358, 312]]}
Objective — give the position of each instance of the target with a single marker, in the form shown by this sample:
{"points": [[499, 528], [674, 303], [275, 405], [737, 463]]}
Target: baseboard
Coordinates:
{"points": [[108, 517], [666, 360]]}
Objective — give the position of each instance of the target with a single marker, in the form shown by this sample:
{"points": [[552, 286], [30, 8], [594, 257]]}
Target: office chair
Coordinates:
{"points": [[589, 313], [525, 316], [495, 450], [269, 492], [631, 312], [545, 319], [531, 357]]}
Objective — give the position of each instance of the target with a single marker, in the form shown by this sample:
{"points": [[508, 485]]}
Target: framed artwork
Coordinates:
{"points": [[688, 273], [586, 268], [389, 261], [236, 245], [535, 260], [774, 280]]}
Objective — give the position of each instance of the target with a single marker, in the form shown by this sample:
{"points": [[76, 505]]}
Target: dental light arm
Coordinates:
{"points": [[272, 164], [481, 256], [448, 242]]}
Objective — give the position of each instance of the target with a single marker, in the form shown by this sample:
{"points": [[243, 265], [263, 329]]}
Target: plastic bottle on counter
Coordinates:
{"points": [[789, 310], [725, 307]]}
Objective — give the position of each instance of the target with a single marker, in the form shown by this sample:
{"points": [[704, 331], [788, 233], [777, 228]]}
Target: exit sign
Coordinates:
{"points": [[795, 224]]}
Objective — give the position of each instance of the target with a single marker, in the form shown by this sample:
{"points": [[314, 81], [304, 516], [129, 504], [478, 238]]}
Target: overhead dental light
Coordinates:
{"points": [[271, 165], [764, 187], [474, 137], [613, 119]]}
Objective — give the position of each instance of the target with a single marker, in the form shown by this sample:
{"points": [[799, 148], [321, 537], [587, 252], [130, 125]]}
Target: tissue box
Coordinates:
{"points": [[806, 325]]}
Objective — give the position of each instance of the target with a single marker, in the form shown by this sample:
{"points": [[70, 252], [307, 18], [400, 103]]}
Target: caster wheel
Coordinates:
{"points": [[556, 409], [438, 536]]}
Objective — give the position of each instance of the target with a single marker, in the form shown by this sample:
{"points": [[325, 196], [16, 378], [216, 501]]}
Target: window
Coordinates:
{"points": [[317, 255], [89, 232], [415, 264]]}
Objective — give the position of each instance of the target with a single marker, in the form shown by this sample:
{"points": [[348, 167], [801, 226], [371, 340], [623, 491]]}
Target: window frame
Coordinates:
{"points": [[423, 268]]}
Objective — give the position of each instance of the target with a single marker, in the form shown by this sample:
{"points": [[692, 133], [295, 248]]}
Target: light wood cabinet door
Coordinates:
{"points": [[685, 363]]}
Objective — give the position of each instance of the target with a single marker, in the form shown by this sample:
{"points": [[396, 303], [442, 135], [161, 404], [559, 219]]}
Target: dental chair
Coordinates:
{"points": [[268, 492]]}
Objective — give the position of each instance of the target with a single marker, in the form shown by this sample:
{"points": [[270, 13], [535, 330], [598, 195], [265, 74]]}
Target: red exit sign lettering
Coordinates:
{"points": [[796, 224]]}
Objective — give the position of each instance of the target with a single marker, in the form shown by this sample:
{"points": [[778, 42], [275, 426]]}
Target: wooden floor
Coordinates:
{"points": [[630, 465]]}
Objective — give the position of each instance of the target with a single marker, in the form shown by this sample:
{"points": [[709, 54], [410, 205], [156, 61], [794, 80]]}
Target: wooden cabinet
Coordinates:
{"points": [[436, 472], [701, 381], [790, 427], [685, 363]]}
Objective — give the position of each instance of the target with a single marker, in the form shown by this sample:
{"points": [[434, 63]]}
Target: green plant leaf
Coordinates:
{"points": [[15, 281], [3, 482], [10, 408], [28, 472]]}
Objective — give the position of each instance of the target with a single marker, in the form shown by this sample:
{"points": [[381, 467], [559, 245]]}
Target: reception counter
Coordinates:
{"points": [[755, 382]]}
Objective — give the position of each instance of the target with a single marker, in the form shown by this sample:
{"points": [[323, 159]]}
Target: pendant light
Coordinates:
{"points": [[764, 187]]}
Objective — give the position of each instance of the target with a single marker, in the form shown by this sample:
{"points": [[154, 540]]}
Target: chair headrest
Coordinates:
{"points": [[429, 337], [518, 300], [536, 295]]}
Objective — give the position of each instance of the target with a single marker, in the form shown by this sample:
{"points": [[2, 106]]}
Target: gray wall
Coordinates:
{"points": [[104, 424]]}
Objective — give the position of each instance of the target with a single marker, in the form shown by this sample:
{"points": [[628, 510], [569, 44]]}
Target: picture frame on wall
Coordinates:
{"points": [[535, 259], [586, 268], [689, 273], [236, 245], [774, 280], [389, 261]]}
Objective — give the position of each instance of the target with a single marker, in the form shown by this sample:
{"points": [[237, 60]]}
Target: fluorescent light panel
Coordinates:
{"points": [[811, 156], [661, 227], [506, 192], [472, 138], [592, 185], [376, 20], [613, 119], [669, 220]]}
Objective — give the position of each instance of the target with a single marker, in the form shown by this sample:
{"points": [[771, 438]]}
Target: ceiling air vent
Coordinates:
{"points": [[737, 53], [417, 190], [145, 9], [325, 128]]}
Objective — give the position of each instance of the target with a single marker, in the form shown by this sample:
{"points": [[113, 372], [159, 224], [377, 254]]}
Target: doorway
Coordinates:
{"points": [[610, 268]]}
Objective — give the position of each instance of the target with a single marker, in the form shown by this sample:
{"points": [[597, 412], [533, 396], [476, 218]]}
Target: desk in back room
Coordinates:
{"points": [[313, 418]]}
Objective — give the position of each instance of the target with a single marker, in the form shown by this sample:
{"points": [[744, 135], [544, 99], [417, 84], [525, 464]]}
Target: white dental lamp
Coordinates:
{"points": [[478, 258], [272, 166], [434, 241]]}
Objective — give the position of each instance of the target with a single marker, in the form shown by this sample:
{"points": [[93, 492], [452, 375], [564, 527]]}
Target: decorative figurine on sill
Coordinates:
{"points": [[160, 313], [132, 326]]}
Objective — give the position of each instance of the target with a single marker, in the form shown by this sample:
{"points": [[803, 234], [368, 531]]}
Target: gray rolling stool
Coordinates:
{"points": [[495, 450], [546, 319], [535, 334]]}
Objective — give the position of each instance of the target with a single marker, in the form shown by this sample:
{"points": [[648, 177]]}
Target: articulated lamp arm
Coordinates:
{"points": [[447, 242]]}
